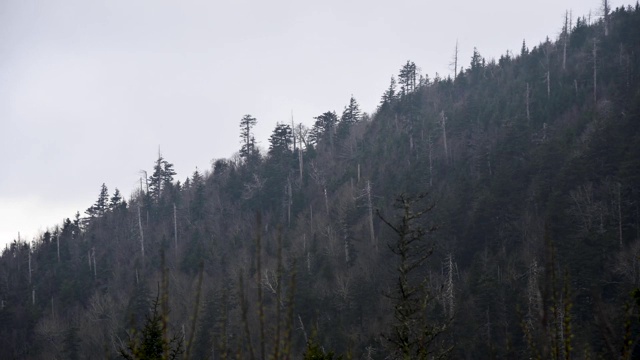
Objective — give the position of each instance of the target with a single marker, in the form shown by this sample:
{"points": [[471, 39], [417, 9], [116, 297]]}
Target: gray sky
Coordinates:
{"points": [[90, 89]]}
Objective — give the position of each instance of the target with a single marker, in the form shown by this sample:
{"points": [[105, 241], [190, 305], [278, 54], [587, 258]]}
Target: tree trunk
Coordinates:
{"points": [[175, 229], [595, 71], [443, 123], [141, 233]]}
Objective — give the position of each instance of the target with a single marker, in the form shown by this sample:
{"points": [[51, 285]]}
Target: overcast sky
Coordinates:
{"points": [[90, 89]]}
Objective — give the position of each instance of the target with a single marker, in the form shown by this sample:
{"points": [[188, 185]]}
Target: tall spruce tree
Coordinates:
{"points": [[101, 205], [407, 78], [248, 149], [351, 113], [116, 200], [280, 140], [162, 177], [390, 94], [324, 127]]}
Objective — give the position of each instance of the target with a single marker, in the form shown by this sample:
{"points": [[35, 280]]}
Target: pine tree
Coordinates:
{"points": [[116, 200], [162, 177], [323, 127], [351, 113], [390, 94], [248, 149], [407, 78], [280, 140], [151, 342], [102, 204], [198, 201], [412, 336], [524, 50], [477, 61]]}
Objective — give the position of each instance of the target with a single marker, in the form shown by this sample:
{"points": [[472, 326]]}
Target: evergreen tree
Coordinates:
{"points": [[248, 149], [198, 201], [390, 94], [71, 344], [411, 335], [477, 61], [524, 50], [116, 200], [150, 343], [407, 78], [323, 127], [351, 113], [280, 141], [162, 177], [101, 205]]}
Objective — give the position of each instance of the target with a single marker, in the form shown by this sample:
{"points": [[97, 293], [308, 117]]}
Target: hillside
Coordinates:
{"points": [[529, 245]]}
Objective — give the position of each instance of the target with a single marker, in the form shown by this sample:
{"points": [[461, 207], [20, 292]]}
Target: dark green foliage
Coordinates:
{"points": [[351, 113], [315, 352], [390, 94], [324, 127], [71, 344], [161, 179], [116, 201], [280, 141], [408, 78], [101, 205], [150, 342], [248, 150]]}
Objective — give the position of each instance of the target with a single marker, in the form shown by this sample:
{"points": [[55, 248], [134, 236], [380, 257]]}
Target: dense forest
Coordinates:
{"points": [[490, 214]]}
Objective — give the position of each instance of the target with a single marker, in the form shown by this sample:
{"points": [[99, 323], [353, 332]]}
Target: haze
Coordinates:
{"points": [[89, 90]]}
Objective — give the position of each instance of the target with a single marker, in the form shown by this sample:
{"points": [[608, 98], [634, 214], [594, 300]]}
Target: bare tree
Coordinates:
{"points": [[141, 233], [595, 70], [565, 39], [366, 193], [443, 123], [449, 287], [527, 102], [175, 228], [455, 61]]}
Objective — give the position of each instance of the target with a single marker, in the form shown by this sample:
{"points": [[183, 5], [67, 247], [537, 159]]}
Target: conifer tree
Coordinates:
{"points": [[407, 78], [323, 127], [248, 148], [351, 113], [412, 336], [280, 140], [389, 94], [102, 204], [162, 177], [116, 200]]}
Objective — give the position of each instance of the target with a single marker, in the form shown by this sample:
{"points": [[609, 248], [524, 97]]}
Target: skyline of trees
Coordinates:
{"points": [[536, 205]]}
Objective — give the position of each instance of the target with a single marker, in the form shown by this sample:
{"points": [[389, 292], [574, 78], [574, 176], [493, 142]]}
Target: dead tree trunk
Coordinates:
{"points": [[175, 229], [443, 123], [527, 103], [455, 62], [595, 71], [141, 233], [565, 40], [449, 294], [370, 208], [605, 14], [430, 160], [29, 250], [548, 81], [95, 271]]}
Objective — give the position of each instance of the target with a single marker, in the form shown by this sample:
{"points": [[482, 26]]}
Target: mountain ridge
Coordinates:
{"points": [[530, 161]]}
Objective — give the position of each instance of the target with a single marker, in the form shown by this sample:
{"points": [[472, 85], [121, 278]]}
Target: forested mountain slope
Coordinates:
{"points": [[531, 166]]}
